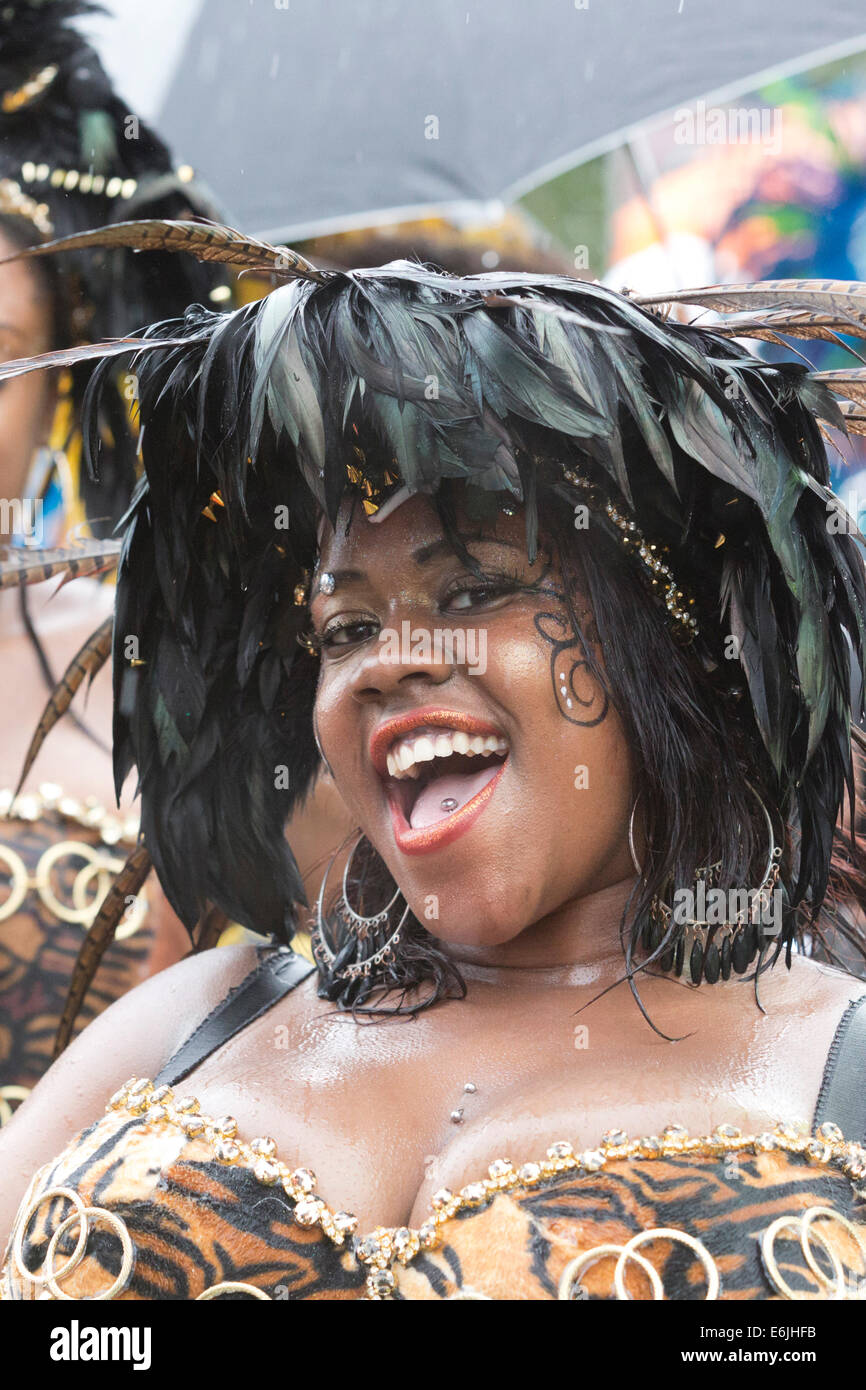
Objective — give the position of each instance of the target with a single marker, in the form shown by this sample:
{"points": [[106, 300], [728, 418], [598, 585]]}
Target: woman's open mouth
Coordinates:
{"points": [[439, 771]]}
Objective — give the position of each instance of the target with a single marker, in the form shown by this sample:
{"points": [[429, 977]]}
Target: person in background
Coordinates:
{"points": [[72, 156]]}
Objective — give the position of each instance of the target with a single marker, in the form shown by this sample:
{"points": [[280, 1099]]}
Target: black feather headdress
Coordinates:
{"points": [[363, 382]]}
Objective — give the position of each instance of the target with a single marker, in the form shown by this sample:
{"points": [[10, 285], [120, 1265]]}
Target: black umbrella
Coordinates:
{"points": [[307, 116]]}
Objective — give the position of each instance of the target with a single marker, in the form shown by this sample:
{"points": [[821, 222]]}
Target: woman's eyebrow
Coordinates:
{"points": [[425, 553], [340, 577]]}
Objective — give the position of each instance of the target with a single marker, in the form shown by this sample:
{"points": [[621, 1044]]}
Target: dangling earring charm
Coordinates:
{"points": [[706, 950], [361, 927]]}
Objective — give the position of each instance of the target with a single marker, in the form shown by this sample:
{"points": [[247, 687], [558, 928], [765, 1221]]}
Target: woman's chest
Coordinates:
{"points": [[384, 1141], [196, 1207]]}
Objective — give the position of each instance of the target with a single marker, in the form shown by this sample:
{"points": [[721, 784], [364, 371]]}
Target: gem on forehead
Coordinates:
{"points": [[326, 583]]}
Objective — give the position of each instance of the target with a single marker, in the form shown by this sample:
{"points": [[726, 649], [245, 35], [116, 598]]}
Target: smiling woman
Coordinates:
{"points": [[632, 513]]}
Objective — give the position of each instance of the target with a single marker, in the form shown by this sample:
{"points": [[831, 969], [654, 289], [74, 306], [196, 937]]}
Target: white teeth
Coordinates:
{"points": [[403, 758]]}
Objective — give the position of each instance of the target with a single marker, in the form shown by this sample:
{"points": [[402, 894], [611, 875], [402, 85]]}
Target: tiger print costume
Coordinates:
{"points": [[157, 1201], [174, 1206], [38, 949]]}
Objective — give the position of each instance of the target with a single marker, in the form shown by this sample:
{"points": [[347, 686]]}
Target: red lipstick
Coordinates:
{"points": [[426, 839], [392, 729]]}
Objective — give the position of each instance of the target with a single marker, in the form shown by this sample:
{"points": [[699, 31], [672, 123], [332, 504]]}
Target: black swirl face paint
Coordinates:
{"points": [[575, 687]]}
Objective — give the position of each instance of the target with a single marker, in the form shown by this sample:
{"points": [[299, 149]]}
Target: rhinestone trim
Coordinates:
{"points": [[385, 1245], [649, 554]]}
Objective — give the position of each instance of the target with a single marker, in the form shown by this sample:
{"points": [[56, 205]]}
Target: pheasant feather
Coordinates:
{"points": [[89, 659], [98, 939], [207, 241], [26, 566]]}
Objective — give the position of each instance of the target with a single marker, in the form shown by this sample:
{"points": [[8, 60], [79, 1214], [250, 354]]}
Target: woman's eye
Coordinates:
{"points": [[347, 634], [475, 595]]}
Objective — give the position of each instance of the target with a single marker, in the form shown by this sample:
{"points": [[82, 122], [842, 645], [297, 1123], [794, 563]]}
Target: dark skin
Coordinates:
{"points": [[530, 903]]}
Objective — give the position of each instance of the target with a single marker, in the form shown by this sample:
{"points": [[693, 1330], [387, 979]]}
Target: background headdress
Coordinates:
{"points": [[72, 156], [354, 384]]}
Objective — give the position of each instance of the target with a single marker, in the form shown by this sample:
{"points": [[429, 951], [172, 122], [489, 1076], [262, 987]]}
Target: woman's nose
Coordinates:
{"points": [[404, 653]]}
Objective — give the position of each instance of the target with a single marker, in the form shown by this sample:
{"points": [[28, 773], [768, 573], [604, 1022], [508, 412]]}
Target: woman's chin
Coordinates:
{"points": [[459, 922]]}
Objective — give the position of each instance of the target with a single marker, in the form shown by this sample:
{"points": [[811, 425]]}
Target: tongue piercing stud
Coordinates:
{"points": [[449, 804]]}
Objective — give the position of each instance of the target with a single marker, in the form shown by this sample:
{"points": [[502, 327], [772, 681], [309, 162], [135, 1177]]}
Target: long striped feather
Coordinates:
{"points": [[842, 301], [855, 421], [207, 241], [797, 325], [98, 940], [849, 384], [22, 566], [209, 929], [86, 662]]}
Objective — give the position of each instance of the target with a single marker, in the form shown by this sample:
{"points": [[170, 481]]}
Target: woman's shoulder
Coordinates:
{"points": [[828, 988], [135, 1036]]}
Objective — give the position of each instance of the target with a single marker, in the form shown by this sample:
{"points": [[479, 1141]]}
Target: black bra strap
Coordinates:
{"points": [[842, 1098], [274, 977]]}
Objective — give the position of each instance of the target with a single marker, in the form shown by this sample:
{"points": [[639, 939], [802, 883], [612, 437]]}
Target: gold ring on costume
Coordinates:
{"points": [[85, 904], [18, 1242], [835, 1284], [7, 1095], [20, 882], [81, 1214], [100, 1214], [573, 1270], [628, 1252], [132, 918], [84, 913]]}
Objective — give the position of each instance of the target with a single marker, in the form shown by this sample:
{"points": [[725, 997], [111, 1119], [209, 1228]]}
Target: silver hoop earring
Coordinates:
{"points": [[710, 950], [320, 750], [360, 927]]}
